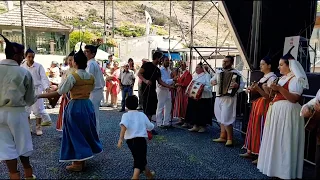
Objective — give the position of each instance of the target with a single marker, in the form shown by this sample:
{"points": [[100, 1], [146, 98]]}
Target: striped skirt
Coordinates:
{"points": [[64, 101], [180, 103]]}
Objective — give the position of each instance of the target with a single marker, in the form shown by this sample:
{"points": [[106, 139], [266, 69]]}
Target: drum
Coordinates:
{"points": [[195, 90]]}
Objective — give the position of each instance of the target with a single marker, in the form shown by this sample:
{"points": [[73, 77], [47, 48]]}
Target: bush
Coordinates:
{"points": [[159, 30], [160, 21], [111, 43], [86, 37], [128, 29]]}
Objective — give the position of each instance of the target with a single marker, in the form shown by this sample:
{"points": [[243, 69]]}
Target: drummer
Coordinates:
{"points": [[199, 110]]}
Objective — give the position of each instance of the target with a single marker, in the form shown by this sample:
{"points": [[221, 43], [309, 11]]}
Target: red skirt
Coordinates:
{"points": [[256, 124], [180, 103], [63, 104]]}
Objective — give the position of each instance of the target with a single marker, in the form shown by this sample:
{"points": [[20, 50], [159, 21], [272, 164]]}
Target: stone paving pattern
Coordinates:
{"points": [[174, 153]]}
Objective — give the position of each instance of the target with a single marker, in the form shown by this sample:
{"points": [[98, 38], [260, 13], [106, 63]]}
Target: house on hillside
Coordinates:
{"points": [[43, 34]]}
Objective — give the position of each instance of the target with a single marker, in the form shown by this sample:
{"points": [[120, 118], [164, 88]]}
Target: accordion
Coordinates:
{"points": [[224, 80], [194, 90]]}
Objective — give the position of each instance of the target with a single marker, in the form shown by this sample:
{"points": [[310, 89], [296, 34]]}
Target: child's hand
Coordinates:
{"points": [[119, 143]]}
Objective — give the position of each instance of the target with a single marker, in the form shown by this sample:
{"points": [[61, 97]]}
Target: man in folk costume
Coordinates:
{"points": [[41, 83], [311, 110], [17, 91], [93, 67], [149, 73], [225, 106], [163, 114], [181, 100]]}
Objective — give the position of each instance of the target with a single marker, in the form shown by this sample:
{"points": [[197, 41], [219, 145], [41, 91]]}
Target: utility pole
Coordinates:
{"points": [[112, 23], [23, 27], [170, 26], [191, 37]]}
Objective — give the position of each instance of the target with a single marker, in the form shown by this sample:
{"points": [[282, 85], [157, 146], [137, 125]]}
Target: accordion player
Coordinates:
{"points": [[224, 81]]}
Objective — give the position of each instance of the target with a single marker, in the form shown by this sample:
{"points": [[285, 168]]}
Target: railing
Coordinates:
{"points": [[241, 123]]}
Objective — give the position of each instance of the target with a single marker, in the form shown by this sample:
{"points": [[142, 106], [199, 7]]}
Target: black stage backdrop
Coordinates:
{"points": [[278, 20]]}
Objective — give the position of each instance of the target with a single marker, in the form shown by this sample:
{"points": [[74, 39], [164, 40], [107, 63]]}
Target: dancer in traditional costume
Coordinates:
{"points": [[17, 91], [149, 73], [65, 97], [199, 110], [164, 106], [282, 148], [311, 110], [225, 106], [80, 140], [260, 104], [181, 100], [93, 68], [41, 84]]}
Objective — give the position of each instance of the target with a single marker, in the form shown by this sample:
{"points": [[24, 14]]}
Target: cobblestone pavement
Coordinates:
{"points": [[174, 153]]}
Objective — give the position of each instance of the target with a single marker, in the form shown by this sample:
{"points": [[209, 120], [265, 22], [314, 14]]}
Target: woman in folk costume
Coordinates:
{"points": [[17, 91], [181, 100], [199, 110], [282, 147], [260, 104], [115, 83], [65, 97], [80, 140]]}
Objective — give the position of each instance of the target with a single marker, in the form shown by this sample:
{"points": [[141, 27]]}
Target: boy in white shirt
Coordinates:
{"points": [[134, 126]]}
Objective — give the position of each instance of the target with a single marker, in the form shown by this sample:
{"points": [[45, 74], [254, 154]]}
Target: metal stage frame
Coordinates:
{"points": [[221, 11]]}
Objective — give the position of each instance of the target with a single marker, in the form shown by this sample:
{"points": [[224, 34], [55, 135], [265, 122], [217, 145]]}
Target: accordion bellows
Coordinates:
{"points": [[224, 80]]}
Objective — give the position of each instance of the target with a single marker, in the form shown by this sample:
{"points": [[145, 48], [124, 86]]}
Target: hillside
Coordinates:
{"points": [[69, 12]]}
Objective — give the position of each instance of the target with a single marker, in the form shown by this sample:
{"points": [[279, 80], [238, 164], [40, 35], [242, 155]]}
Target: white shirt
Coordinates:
{"points": [[56, 75], [38, 74], [312, 102], [137, 124], [127, 78], [69, 82], [165, 77], [94, 69], [16, 85], [203, 78]]}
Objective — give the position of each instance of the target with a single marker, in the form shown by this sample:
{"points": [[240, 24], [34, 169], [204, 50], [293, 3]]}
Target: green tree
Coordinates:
{"points": [[75, 37], [318, 8]]}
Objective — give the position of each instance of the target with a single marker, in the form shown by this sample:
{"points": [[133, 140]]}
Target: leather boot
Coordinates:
{"points": [[76, 166]]}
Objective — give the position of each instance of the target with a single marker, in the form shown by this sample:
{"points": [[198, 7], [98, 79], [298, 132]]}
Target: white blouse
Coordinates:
{"points": [[204, 78], [270, 76], [70, 81], [294, 86]]}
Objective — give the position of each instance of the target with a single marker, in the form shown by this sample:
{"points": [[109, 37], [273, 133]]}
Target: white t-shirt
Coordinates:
{"points": [[137, 124]]}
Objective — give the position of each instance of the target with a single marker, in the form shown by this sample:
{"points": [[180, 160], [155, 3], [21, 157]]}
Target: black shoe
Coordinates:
{"points": [[122, 110], [154, 132]]}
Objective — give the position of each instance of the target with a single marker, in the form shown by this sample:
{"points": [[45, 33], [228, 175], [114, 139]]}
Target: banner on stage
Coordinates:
{"points": [[289, 42]]}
